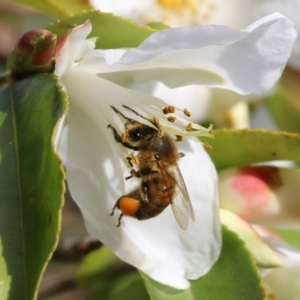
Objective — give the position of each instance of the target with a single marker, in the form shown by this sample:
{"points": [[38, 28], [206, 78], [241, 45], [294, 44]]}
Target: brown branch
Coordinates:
{"points": [[5, 79]]}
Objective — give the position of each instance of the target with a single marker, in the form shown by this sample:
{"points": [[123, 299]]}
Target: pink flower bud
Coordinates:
{"points": [[263, 194], [34, 53]]}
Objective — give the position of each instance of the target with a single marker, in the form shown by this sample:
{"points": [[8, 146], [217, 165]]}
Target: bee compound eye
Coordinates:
{"points": [[129, 206], [135, 135]]}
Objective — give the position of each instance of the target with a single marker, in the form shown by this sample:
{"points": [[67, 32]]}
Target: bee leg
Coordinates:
{"points": [[145, 172], [140, 173], [112, 213], [129, 159], [119, 220], [181, 154], [113, 210], [132, 159], [133, 173]]}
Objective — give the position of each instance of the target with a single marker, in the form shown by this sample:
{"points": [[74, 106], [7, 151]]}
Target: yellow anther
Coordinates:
{"points": [[160, 132], [171, 119], [179, 138], [187, 112], [189, 127], [207, 145], [168, 109], [179, 5]]}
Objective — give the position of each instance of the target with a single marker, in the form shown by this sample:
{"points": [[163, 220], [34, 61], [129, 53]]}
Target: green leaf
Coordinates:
{"points": [[113, 31], [96, 264], [31, 183], [292, 237], [233, 148], [58, 8], [162, 292], [158, 25], [103, 273], [129, 286], [285, 110], [233, 277], [262, 253]]}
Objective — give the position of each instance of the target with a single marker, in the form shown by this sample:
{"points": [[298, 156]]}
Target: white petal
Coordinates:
{"points": [[194, 97], [289, 8], [248, 61], [71, 47], [233, 13], [95, 174]]}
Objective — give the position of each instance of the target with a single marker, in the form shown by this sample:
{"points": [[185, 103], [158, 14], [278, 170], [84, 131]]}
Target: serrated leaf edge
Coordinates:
{"points": [[63, 177]]}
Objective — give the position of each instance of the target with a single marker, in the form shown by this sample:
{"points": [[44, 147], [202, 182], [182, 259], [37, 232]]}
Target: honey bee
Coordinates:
{"points": [[161, 181]]}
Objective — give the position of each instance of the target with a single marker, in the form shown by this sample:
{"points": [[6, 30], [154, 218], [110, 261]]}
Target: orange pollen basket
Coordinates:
{"points": [[129, 206]]}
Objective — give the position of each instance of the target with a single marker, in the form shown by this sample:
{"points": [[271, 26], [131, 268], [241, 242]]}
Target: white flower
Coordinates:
{"points": [[95, 80], [291, 9], [224, 108], [233, 13]]}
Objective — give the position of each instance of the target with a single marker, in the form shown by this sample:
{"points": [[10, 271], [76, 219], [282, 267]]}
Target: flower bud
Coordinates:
{"points": [[34, 53], [262, 195]]}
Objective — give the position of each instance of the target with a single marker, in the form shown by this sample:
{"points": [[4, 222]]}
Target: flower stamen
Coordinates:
{"points": [[168, 110], [207, 145], [187, 112], [179, 138], [189, 127], [172, 119]]}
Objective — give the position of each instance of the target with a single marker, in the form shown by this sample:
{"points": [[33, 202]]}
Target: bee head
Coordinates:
{"points": [[137, 131]]}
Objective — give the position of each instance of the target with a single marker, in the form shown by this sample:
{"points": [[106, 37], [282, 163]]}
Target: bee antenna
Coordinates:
{"points": [[118, 112], [154, 122], [115, 110], [133, 111], [136, 113]]}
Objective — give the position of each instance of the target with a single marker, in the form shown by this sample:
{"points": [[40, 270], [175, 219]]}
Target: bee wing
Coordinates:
{"points": [[181, 204]]}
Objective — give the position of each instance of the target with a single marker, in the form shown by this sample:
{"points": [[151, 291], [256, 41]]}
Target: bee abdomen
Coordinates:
{"points": [[148, 211]]}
